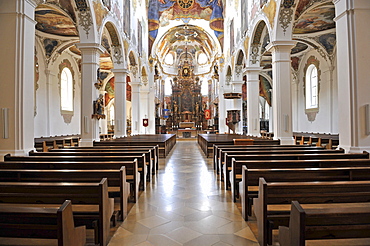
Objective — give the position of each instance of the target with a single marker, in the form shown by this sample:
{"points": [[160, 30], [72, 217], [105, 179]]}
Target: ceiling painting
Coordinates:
{"points": [[299, 48], [318, 19], [53, 21], [106, 62], [328, 41], [67, 6], [185, 40], [161, 11], [75, 50]]}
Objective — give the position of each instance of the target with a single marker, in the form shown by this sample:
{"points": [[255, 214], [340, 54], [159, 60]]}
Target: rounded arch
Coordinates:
{"points": [[259, 39], [240, 58], [117, 48]]}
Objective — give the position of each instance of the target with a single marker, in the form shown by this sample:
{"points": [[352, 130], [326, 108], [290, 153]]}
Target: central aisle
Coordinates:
{"points": [[184, 205]]}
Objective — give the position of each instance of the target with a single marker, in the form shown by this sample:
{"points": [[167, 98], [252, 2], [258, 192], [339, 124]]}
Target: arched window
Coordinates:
{"points": [[66, 90], [169, 59], [312, 100], [202, 59]]}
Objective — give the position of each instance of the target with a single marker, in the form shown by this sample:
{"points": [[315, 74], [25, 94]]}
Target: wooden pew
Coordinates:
{"points": [[164, 141], [284, 155], [325, 223], [84, 158], [250, 178], [40, 222], [269, 216], [131, 170], [237, 166], [225, 155], [219, 149], [116, 180], [150, 152], [91, 204]]}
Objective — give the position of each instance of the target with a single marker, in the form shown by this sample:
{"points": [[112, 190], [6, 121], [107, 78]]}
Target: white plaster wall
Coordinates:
{"points": [[51, 108], [324, 121]]}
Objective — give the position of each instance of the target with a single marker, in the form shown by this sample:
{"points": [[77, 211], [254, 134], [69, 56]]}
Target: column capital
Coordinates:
{"points": [[253, 69], [280, 45], [90, 47], [120, 70]]}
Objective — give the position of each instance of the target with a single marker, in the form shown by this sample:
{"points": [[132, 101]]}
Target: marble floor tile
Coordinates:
{"points": [[184, 204]]}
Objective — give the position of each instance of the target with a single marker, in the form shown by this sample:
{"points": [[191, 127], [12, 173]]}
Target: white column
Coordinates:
{"points": [[353, 35], [281, 92], [237, 104], [120, 102], [135, 104], [89, 66], [253, 105], [151, 106], [144, 107], [17, 46]]}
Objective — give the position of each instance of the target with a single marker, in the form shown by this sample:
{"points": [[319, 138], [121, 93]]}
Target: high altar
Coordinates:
{"points": [[186, 99]]}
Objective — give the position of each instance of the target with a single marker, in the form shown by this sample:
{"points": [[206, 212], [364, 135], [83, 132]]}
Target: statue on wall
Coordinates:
{"points": [[99, 108]]}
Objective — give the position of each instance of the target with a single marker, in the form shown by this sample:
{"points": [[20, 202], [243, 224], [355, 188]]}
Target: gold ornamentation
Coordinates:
{"points": [[185, 4]]}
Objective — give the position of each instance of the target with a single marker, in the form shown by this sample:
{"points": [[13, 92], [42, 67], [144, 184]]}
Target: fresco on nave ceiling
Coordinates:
{"points": [[329, 41], [295, 62], [67, 6], [318, 19], [160, 12], [53, 21], [301, 6], [299, 47]]}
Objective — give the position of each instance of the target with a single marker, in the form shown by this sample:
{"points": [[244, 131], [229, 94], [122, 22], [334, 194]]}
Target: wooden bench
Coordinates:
{"points": [[84, 158], [237, 166], [131, 170], [325, 223], [150, 152], [164, 141], [287, 155], [116, 180], [40, 222], [227, 155], [91, 204], [248, 187], [218, 150], [271, 209]]}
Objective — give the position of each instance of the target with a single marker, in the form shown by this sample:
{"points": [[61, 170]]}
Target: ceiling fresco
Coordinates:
{"points": [[160, 12], [299, 48], [328, 41], [320, 18], [185, 38], [53, 21]]}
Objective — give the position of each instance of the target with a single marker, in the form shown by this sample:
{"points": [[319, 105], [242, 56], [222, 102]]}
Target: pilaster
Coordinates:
{"points": [[90, 53], [120, 114], [281, 93], [253, 106], [353, 35], [135, 99], [17, 47]]}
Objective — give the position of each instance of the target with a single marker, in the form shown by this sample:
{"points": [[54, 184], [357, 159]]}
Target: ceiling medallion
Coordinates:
{"points": [[185, 4]]}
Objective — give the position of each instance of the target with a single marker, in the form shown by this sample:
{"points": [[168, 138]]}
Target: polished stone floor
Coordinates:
{"points": [[184, 205]]}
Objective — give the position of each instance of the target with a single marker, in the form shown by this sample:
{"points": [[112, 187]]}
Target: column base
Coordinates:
{"points": [[356, 149], [13, 152], [285, 140], [86, 143]]}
